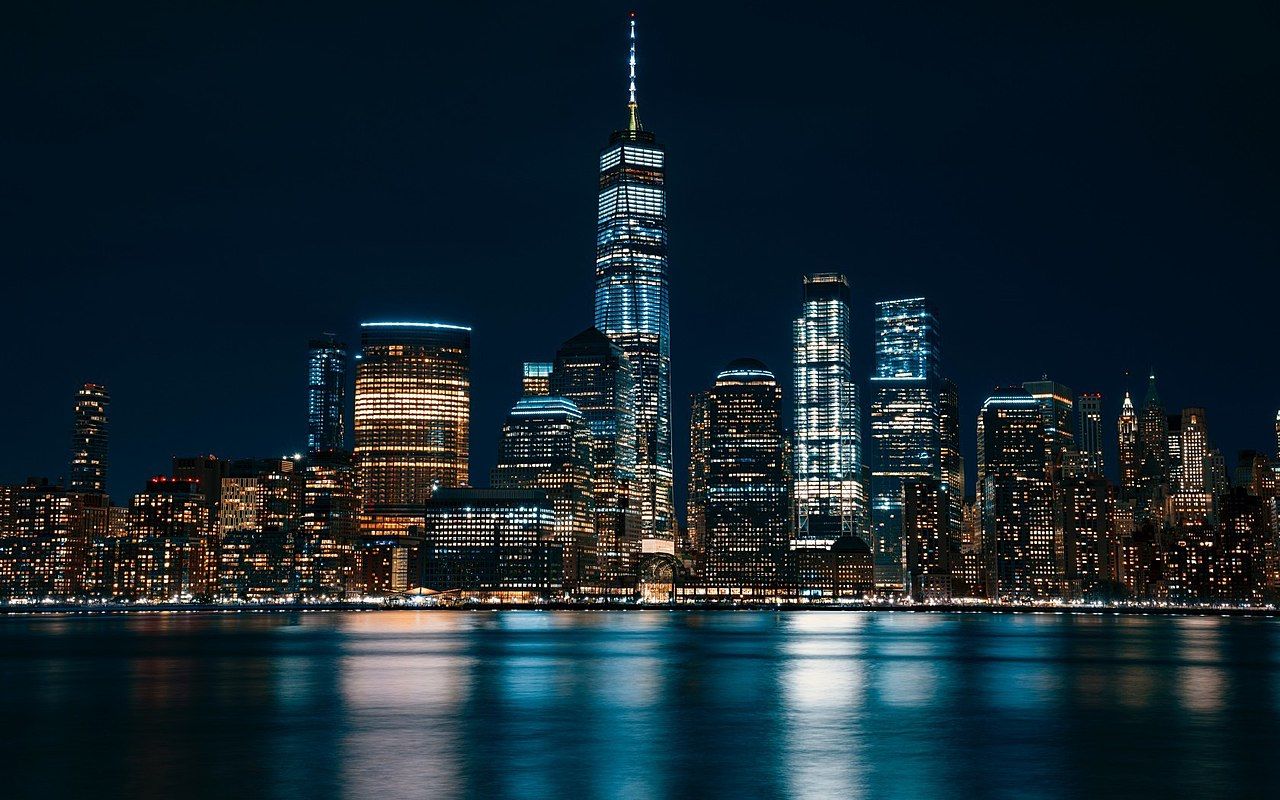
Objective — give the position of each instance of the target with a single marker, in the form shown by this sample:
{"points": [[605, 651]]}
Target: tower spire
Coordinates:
{"points": [[633, 123]]}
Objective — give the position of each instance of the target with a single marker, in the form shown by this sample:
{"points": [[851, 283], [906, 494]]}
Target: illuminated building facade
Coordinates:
{"points": [[89, 440], [412, 417], [1127, 440], [595, 375], [1086, 523], [546, 445], [1154, 463], [493, 543], [632, 302], [830, 500], [42, 545], [905, 441], [1019, 523], [950, 457], [1089, 435], [927, 547], [170, 551], [699, 469], [747, 499], [325, 557], [259, 522], [326, 394], [1057, 406], [536, 378]]}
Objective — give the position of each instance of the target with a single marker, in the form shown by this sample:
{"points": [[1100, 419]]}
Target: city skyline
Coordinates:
{"points": [[146, 430]]}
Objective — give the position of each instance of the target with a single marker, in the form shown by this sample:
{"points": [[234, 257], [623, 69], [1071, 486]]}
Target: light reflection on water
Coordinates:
{"points": [[639, 705]]}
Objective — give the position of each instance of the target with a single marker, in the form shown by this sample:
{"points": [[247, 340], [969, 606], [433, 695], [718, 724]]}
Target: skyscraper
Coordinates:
{"points": [[258, 526], [952, 462], [1019, 523], [699, 470], [1089, 435], [546, 444], [325, 556], [1057, 403], [1154, 463], [412, 412], [89, 440], [1127, 434], [326, 394], [830, 500], [632, 300], [595, 374], [904, 424], [747, 499]]}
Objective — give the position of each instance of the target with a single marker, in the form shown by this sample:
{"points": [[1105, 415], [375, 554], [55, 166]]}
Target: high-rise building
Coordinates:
{"points": [[1086, 522], [1019, 523], [325, 557], [42, 545], [905, 441], [747, 498], [89, 440], [830, 499], [1057, 405], [497, 543], [1127, 433], [951, 459], [326, 394], [546, 445], [170, 552], [1192, 482], [205, 474], [595, 374], [258, 527], [926, 545], [536, 379], [1089, 436], [699, 470], [1154, 462], [412, 415], [632, 300]]}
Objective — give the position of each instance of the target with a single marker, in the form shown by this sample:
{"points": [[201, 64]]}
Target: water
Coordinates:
{"points": [[639, 705]]}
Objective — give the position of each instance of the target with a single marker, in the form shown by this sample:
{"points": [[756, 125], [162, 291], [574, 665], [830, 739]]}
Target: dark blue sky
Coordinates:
{"points": [[191, 192]]}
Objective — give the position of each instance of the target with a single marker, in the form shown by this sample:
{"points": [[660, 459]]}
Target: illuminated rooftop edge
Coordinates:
{"points": [[444, 325]]}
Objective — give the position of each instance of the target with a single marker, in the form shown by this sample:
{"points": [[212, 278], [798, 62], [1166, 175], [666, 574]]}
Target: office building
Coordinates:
{"points": [[905, 435], [326, 394], [546, 445], [632, 301], [747, 498], [595, 375], [412, 418], [492, 543], [830, 499]]}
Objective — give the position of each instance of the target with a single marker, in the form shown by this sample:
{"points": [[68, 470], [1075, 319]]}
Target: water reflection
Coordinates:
{"points": [[639, 705]]}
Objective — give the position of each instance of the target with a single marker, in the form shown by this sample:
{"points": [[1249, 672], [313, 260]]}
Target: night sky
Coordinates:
{"points": [[190, 193]]}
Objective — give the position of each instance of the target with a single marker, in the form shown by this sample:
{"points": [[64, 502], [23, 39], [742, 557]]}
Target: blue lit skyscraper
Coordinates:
{"points": [[632, 301], [904, 424], [830, 500], [326, 393]]}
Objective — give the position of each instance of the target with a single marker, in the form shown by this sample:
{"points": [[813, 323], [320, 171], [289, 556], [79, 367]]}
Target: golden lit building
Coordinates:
{"points": [[412, 417]]}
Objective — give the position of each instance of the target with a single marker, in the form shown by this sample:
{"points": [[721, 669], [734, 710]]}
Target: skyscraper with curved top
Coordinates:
{"points": [[632, 306], [412, 412]]}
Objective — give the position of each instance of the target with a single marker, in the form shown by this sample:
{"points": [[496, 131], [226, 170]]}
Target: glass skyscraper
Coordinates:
{"points": [[326, 393], [631, 305], [546, 444], [412, 412], [905, 439], [747, 505], [89, 440], [830, 500], [595, 375]]}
